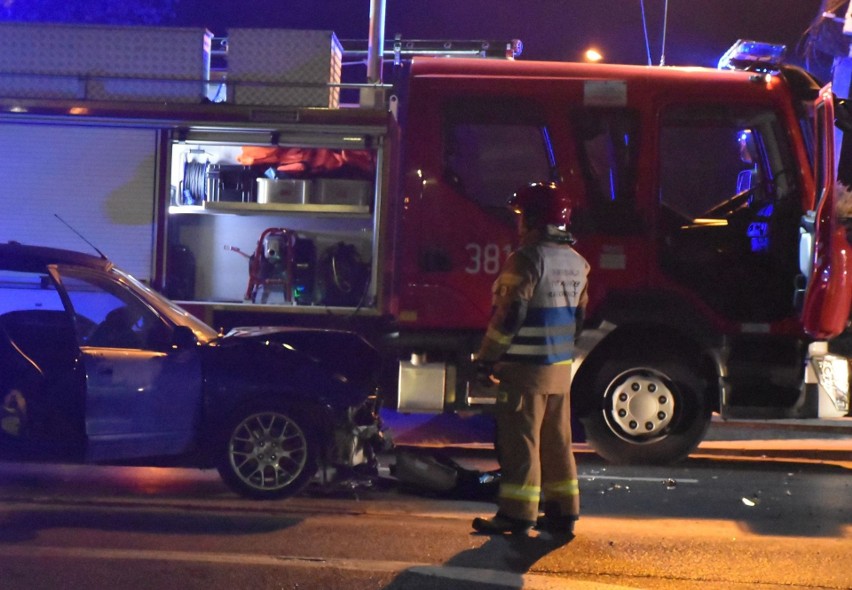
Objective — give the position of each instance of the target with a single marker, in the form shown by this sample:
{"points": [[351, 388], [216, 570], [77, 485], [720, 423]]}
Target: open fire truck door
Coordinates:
{"points": [[824, 250]]}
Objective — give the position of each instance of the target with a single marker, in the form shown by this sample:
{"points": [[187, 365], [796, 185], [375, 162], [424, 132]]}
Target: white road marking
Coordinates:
{"points": [[677, 480]]}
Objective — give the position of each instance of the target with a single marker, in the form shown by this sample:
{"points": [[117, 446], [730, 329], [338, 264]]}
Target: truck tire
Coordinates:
{"points": [[267, 452], [646, 411]]}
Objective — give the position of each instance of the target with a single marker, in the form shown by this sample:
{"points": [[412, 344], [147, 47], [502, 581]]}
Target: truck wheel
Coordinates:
{"points": [[650, 412], [269, 452]]}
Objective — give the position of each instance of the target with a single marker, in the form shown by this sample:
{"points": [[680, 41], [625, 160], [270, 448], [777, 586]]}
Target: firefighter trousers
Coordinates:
{"points": [[536, 460]]}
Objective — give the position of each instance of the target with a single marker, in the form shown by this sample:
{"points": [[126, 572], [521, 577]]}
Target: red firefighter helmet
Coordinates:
{"points": [[546, 206]]}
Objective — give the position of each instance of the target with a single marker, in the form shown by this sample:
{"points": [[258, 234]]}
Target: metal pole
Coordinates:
{"points": [[375, 51], [665, 28]]}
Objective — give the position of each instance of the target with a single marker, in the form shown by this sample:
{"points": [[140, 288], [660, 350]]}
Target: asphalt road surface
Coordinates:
{"points": [[756, 507]]}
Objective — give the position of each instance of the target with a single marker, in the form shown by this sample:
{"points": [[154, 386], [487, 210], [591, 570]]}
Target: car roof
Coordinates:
{"points": [[17, 256]]}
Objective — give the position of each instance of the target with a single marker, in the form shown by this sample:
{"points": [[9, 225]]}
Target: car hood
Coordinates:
{"points": [[339, 352]]}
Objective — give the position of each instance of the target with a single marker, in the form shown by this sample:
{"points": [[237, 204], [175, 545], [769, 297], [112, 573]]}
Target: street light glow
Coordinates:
{"points": [[593, 55]]}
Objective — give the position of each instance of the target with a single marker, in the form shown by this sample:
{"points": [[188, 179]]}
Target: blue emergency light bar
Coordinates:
{"points": [[754, 56]]}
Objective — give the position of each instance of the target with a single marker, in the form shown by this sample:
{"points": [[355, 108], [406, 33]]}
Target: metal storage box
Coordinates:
{"points": [[22, 86], [279, 190], [104, 62], [422, 386], [336, 191], [284, 67]]}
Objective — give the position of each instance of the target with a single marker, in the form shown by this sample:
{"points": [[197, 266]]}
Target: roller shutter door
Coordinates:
{"points": [[99, 179]]}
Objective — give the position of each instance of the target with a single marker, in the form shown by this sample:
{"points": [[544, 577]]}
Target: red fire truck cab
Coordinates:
{"points": [[691, 187]]}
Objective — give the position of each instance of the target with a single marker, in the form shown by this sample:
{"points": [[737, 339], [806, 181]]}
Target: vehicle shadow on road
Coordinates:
{"points": [[501, 561]]}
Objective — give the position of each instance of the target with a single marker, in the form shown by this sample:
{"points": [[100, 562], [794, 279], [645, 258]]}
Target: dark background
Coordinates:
{"points": [[698, 31]]}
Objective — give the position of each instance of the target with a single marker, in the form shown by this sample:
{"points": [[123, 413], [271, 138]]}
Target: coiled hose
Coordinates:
{"points": [[194, 183]]}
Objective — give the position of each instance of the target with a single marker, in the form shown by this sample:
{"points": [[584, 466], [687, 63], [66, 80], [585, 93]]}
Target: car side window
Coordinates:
{"points": [[33, 318], [110, 316], [493, 148], [21, 291]]}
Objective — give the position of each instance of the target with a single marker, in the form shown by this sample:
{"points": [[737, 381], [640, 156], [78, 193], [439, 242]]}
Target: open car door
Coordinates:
{"points": [[824, 252]]}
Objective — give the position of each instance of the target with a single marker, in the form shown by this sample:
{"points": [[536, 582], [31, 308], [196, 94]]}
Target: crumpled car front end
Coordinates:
{"points": [[355, 444], [329, 378]]}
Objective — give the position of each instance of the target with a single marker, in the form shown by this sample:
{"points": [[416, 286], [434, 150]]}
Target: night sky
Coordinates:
{"points": [[698, 31]]}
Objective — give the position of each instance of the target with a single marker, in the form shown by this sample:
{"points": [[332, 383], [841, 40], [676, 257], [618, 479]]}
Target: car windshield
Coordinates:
{"points": [[178, 315]]}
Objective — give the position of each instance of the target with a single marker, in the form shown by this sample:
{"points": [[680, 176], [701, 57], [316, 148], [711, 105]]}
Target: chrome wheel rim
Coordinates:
{"points": [[268, 451], [639, 404]]}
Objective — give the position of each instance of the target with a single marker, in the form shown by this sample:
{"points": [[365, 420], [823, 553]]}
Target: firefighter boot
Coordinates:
{"points": [[501, 524], [557, 525], [555, 522]]}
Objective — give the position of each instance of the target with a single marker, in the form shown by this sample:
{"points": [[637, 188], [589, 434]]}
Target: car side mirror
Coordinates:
{"points": [[183, 337]]}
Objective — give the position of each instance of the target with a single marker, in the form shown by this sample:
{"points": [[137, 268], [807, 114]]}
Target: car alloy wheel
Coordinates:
{"points": [[268, 455]]}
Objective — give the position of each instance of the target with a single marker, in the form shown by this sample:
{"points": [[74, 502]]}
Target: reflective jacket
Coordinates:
{"points": [[537, 299], [546, 335]]}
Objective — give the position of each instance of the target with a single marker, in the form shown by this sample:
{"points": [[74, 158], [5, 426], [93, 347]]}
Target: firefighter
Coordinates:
{"points": [[539, 300]]}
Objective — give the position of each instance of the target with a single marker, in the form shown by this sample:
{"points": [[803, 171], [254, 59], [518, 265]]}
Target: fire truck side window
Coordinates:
{"points": [[493, 149], [607, 145], [716, 162]]}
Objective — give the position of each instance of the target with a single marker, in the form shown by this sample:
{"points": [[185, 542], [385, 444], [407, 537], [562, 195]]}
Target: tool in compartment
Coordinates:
{"points": [[281, 260]]}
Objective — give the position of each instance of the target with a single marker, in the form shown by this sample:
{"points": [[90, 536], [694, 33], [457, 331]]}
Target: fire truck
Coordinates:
{"points": [[239, 177]]}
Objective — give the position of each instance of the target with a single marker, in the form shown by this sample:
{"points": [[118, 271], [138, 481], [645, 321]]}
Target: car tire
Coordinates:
{"points": [[268, 452], [648, 410]]}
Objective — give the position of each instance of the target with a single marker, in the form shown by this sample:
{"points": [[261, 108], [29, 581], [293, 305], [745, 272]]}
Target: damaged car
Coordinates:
{"points": [[96, 367]]}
